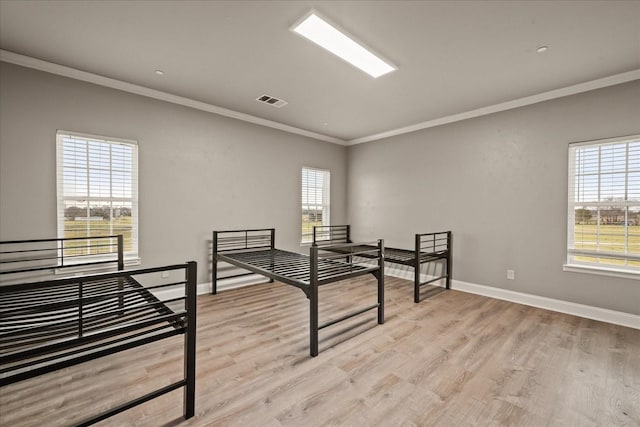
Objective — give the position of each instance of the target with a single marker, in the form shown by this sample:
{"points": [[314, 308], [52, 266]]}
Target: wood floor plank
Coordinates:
{"points": [[455, 359]]}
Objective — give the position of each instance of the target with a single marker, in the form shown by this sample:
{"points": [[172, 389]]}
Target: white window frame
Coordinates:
{"points": [[576, 201], [324, 205], [131, 256]]}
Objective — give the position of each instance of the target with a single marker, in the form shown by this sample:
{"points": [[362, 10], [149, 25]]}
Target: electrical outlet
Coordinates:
{"points": [[511, 274], [164, 274]]}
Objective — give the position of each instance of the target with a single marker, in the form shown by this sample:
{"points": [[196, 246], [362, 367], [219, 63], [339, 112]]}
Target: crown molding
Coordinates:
{"points": [[39, 64], [61, 70], [503, 106]]}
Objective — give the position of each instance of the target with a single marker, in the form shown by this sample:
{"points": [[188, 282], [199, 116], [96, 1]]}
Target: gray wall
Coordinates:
{"points": [[198, 171], [499, 182]]}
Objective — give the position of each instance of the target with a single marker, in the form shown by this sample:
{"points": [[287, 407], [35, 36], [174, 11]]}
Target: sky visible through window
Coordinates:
{"points": [[313, 184], [602, 174], [96, 169]]}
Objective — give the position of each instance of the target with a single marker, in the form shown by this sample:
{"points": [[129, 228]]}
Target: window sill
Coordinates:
{"points": [[600, 271], [132, 262]]}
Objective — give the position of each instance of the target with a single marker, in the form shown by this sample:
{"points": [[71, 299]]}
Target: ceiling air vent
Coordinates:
{"points": [[266, 99]]}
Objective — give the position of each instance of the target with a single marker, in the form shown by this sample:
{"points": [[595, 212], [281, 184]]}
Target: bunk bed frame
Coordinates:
{"points": [[254, 250], [47, 325], [428, 247]]}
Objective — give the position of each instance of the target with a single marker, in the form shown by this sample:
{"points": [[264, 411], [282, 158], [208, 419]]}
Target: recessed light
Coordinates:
{"points": [[324, 34], [326, 124], [159, 72], [542, 49]]}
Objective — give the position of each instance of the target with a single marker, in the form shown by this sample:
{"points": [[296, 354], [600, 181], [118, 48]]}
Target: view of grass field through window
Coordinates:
{"points": [[608, 238], [94, 228]]}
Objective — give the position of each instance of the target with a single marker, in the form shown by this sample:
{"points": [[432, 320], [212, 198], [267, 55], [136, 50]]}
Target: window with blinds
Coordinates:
{"points": [[97, 180], [315, 201], [604, 204]]}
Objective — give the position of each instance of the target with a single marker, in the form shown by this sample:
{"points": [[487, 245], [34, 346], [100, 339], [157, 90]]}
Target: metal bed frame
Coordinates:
{"points": [[254, 250], [46, 325], [429, 247]]}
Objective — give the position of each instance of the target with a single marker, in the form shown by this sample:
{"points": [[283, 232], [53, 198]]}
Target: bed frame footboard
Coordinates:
{"points": [[430, 247], [238, 240], [30, 260], [352, 249], [83, 318]]}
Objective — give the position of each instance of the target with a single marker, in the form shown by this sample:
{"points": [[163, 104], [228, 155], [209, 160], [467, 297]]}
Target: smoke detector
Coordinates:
{"points": [[270, 100]]}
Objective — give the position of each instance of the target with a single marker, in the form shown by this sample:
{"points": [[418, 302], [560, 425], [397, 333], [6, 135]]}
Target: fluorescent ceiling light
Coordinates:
{"points": [[322, 33]]}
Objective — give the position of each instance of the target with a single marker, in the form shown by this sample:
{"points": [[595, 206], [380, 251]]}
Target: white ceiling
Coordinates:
{"points": [[452, 57]]}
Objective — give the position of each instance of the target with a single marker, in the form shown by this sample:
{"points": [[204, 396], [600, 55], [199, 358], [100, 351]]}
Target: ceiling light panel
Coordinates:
{"points": [[324, 34]]}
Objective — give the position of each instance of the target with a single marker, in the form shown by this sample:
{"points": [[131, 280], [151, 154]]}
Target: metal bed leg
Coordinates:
{"points": [[273, 246], [214, 275], [120, 252], [190, 342], [349, 258], [214, 265], [120, 268], [313, 302], [381, 283], [449, 256], [416, 272]]}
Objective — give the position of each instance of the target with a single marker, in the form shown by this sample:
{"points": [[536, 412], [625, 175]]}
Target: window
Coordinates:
{"points": [[604, 204], [315, 201], [97, 190]]}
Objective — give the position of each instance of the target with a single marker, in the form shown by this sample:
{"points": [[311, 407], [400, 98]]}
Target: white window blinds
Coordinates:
{"points": [[315, 201], [97, 180], [604, 204]]}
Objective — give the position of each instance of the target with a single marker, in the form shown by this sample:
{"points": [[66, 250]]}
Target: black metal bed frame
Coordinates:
{"points": [[428, 247], [44, 255], [47, 325], [254, 250]]}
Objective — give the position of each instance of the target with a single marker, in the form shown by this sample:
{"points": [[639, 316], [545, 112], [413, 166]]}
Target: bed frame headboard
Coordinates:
{"points": [[433, 242], [24, 257], [324, 235], [233, 240]]}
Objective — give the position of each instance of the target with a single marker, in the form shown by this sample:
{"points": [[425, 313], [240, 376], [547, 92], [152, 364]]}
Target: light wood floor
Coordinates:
{"points": [[455, 359]]}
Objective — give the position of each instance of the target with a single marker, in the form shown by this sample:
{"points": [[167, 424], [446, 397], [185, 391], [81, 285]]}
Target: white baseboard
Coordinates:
{"points": [[581, 310], [587, 311], [223, 285]]}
